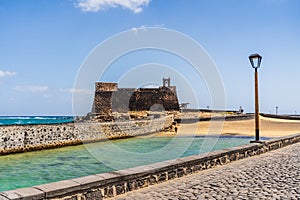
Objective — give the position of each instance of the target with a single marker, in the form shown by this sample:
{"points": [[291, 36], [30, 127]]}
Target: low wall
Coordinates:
{"points": [[288, 117], [238, 117], [21, 138], [110, 184]]}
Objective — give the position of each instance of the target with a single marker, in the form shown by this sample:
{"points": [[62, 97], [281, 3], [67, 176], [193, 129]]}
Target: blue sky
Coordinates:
{"points": [[43, 44]]}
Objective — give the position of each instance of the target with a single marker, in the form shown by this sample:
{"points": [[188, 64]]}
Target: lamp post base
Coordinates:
{"points": [[258, 141]]}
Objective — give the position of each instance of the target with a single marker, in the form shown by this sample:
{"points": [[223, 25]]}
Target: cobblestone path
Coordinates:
{"points": [[273, 175]]}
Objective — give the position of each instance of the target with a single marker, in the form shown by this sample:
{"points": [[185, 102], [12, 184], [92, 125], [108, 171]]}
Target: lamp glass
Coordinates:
{"points": [[255, 60]]}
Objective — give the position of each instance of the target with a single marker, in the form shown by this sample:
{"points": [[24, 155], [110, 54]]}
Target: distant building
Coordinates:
{"points": [[109, 98]]}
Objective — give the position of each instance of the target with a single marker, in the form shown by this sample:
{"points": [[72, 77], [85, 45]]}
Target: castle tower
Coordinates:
{"points": [[103, 98], [166, 82]]}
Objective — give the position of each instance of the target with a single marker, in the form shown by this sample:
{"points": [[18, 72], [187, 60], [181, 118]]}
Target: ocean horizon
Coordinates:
{"points": [[33, 120]]}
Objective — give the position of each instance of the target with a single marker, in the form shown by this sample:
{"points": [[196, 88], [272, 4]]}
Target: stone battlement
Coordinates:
{"points": [[106, 87]]}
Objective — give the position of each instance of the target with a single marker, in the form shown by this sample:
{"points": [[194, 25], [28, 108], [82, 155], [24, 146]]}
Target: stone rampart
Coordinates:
{"points": [[21, 138], [110, 184]]}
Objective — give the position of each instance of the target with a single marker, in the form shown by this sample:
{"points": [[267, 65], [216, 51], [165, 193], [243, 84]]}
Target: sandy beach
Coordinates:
{"points": [[269, 127]]}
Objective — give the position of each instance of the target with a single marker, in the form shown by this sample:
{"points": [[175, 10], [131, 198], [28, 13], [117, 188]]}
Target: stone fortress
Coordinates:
{"points": [[110, 99], [103, 124]]}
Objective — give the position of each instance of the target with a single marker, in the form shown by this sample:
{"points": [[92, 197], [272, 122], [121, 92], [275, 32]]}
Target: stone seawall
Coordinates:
{"points": [[21, 138], [110, 184]]}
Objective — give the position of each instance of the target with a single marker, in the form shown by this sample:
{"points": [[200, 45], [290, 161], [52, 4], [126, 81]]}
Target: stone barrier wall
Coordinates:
{"points": [[110, 184], [289, 117], [21, 138]]}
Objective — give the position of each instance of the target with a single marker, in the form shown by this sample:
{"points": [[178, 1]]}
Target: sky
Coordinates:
{"points": [[44, 44]]}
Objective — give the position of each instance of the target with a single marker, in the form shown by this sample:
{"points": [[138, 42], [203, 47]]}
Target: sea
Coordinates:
{"points": [[26, 120]]}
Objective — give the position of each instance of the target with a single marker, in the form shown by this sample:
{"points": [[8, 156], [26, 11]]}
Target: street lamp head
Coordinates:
{"points": [[255, 60]]}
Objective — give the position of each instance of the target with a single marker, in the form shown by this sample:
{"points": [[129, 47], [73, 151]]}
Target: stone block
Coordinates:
{"points": [[172, 174], [87, 182], [60, 188], [190, 159], [136, 172], [24, 193], [131, 186], [110, 177], [180, 172], [189, 170], [120, 189], [93, 194], [8, 195], [139, 183], [223, 160], [152, 179], [163, 166], [162, 177], [110, 191]]}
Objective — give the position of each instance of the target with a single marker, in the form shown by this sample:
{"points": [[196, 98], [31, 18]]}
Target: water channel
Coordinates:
{"points": [[34, 168]]}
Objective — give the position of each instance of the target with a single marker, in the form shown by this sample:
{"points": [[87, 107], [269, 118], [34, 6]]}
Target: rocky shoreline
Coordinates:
{"points": [[23, 138]]}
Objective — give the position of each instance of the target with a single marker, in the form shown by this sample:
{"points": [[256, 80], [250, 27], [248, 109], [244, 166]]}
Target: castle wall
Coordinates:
{"points": [[144, 99], [109, 98], [103, 103], [121, 99]]}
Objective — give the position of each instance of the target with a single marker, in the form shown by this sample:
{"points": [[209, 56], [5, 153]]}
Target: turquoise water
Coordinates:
{"points": [[10, 120], [34, 168]]}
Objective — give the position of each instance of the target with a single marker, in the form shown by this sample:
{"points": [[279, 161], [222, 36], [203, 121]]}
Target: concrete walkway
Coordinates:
{"points": [[273, 175]]}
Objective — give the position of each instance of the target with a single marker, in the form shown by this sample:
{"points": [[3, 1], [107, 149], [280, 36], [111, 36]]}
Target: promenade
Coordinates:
{"points": [[273, 175]]}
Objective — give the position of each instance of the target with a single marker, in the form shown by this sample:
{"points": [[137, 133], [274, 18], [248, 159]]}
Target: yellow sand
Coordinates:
{"points": [[269, 127]]}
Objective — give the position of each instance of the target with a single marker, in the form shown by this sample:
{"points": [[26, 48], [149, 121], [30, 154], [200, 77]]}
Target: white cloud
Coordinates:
{"points": [[137, 29], [7, 73], [144, 28], [31, 88], [78, 91], [135, 6]]}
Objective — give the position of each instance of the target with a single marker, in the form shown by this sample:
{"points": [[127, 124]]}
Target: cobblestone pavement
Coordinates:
{"points": [[273, 175]]}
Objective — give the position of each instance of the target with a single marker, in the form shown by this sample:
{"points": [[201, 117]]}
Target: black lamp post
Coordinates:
{"points": [[255, 60]]}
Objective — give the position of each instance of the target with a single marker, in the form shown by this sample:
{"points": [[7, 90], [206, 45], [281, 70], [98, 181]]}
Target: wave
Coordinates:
{"points": [[54, 117], [14, 117], [10, 120], [36, 117], [45, 118]]}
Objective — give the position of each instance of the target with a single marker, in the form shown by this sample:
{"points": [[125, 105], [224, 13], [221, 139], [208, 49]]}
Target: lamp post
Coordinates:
{"points": [[276, 110], [255, 60]]}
